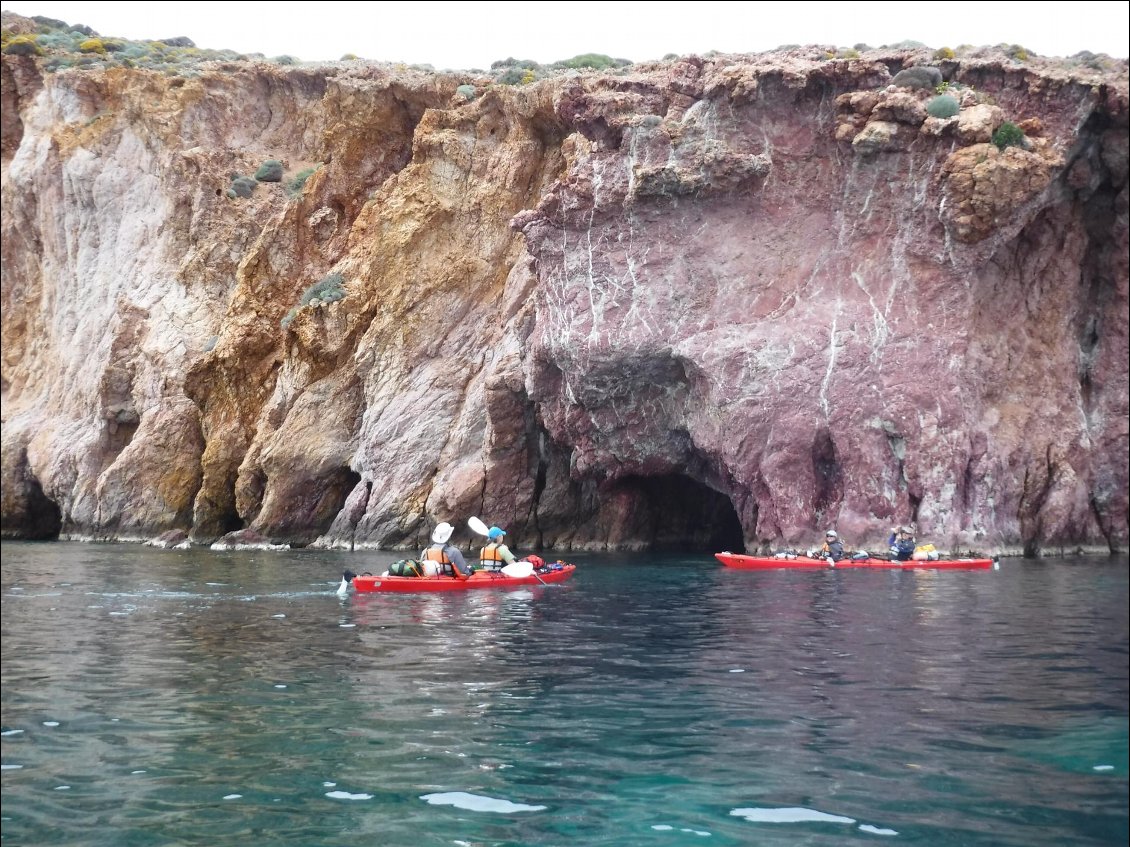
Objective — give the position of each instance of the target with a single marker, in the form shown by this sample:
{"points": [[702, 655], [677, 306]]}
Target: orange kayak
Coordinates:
{"points": [[753, 563], [479, 579]]}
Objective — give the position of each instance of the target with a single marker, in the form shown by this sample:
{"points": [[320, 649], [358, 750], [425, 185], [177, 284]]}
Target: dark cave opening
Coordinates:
{"points": [[678, 514], [44, 518]]}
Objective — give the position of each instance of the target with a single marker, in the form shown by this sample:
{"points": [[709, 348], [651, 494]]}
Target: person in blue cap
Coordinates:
{"points": [[496, 553]]}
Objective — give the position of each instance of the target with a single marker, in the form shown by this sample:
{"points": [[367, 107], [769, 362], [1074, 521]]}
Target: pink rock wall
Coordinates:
{"points": [[710, 303]]}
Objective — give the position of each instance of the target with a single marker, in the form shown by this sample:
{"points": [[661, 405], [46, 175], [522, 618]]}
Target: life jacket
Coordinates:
{"points": [[835, 550], [443, 561], [436, 554], [490, 554]]}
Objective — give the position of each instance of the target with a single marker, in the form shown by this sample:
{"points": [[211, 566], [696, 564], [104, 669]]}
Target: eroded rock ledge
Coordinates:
{"points": [[709, 301]]}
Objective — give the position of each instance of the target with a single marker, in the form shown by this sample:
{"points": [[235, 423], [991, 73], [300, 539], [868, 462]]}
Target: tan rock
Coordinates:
{"points": [[877, 137], [976, 124]]}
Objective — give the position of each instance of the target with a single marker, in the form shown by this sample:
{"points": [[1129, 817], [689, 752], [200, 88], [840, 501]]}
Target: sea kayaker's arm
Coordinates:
{"points": [[456, 556]]}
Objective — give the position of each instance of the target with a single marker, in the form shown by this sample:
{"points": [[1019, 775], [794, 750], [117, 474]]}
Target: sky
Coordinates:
{"points": [[464, 35]]}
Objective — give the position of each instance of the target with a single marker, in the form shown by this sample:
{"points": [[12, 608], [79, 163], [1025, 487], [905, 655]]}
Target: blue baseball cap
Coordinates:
{"points": [[495, 532]]}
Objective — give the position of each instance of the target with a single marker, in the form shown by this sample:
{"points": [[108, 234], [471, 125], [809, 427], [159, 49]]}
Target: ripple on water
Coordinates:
{"points": [[346, 795], [477, 803]]}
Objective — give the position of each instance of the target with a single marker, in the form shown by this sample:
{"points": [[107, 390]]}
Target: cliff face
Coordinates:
{"points": [[710, 302]]}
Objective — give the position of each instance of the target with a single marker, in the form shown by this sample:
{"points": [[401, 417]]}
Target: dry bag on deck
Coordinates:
{"points": [[405, 567]]}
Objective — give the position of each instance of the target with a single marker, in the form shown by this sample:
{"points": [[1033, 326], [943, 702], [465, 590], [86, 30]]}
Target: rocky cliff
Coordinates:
{"points": [[710, 301]]}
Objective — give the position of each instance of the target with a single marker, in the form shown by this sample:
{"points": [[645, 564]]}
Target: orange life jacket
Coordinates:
{"points": [[433, 554], [490, 554]]}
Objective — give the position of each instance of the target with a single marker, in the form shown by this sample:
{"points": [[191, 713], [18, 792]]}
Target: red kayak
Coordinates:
{"points": [[479, 579], [753, 563]]}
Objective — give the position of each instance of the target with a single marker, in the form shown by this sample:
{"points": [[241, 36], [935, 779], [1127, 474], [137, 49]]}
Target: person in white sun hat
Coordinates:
{"points": [[447, 557]]}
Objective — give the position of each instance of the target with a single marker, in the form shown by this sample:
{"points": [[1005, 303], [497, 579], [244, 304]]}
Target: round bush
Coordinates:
{"points": [[1009, 134], [241, 186], [23, 45], [942, 106], [919, 76], [270, 171]]}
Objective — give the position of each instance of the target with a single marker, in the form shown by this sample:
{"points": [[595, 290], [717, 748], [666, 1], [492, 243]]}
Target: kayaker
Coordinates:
{"points": [[495, 554], [447, 556], [901, 543], [833, 548]]}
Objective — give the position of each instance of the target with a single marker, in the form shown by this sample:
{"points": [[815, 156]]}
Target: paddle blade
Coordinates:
{"points": [[518, 570], [478, 526]]}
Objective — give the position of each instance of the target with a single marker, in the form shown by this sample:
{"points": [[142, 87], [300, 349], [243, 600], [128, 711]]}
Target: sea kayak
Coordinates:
{"points": [[753, 563], [366, 583]]}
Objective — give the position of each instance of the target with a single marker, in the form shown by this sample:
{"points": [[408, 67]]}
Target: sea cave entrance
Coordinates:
{"points": [[675, 513]]}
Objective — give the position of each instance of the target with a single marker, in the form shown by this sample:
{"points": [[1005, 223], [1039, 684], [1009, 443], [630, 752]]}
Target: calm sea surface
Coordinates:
{"points": [[166, 697]]}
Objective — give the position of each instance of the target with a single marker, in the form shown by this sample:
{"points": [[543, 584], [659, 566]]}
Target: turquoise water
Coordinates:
{"points": [[163, 697]]}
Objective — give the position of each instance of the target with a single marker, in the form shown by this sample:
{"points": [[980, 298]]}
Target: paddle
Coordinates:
{"points": [[518, 570]]}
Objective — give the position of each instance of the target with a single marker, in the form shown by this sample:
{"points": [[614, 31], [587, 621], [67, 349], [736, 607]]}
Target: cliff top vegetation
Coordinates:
{"points": [[60, 45]]}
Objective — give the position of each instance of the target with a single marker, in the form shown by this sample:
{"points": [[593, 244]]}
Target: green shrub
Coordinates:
{"points": [[77, 46], [241, 186], [270, 171], [596, 61], [298, 181], [45, 24], [942, 106], [1009, 134], [511, 76], [60, 41], [511, 62], [23, 45], [920, 76], [467, 92], [328, 289], [944, 53], [1020, 54]]}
